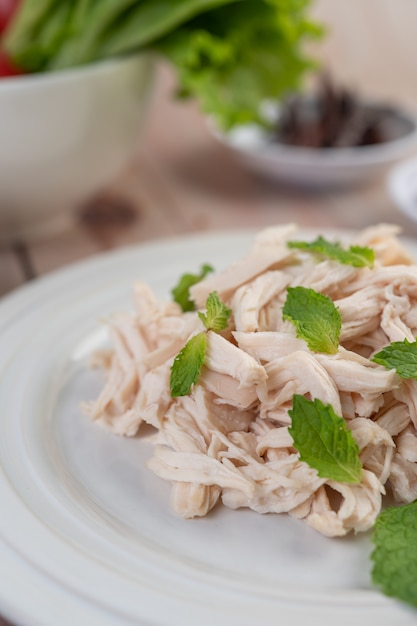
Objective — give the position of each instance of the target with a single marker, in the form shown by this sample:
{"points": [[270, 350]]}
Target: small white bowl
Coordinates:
{"points": [[402, 185], [63, 136], [322, 167]]}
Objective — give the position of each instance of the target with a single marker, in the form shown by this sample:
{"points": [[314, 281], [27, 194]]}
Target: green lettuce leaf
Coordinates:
{"points": [[237, 56], [230, 55]]}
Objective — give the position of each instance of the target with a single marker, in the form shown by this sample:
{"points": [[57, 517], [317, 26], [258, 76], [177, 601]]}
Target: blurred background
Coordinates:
{"points": [[182, 180]]}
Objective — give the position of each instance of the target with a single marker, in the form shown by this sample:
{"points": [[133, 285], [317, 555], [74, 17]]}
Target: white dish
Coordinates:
{"points": [[86, 532], [65, 135], [325, 167], [402, 185]]}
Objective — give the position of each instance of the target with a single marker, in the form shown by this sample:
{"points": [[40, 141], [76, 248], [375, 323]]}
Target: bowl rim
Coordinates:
{"points": [[331, 157], [102, 66], [399, 188]]}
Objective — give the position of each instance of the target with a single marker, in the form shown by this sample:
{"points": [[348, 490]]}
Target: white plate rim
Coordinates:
{"points": [[15, 316], [401, 191]]}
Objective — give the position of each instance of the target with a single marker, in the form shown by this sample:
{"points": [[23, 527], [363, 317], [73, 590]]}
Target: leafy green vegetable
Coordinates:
{"points": [[401, 356], [315, 317], [323, 440], [357, 256], [181, 292], [234, 58], [395, 552], [187, 365], [230, 55], [217, 314]]}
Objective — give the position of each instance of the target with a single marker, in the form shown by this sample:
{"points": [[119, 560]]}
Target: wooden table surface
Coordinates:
{"points": [[182, 181]]}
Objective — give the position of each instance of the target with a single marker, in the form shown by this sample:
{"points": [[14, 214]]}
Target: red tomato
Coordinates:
{"points": [[6, 66], [7, 10]]}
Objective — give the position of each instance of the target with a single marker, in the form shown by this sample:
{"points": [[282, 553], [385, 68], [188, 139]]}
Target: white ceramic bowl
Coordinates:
{"points": [[402, 185], [324, 167], [63, 136]]}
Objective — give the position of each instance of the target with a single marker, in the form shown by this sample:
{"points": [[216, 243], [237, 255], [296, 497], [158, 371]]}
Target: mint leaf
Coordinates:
{"points": [[395, 552], [217, 314], [324, 441], [187, 365], [315, 317], [357, 256], [401, 356], [181, 292]]}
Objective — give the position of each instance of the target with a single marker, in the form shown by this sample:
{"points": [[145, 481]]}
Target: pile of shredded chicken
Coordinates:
{"points": [[228, 440]]}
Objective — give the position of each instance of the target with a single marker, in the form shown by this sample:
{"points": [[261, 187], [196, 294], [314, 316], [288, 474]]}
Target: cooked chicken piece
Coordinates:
{"points": [[357, 510], [198, 468], [154, 399], [361, 503], [328, 277], [149, 308], [225, 358], [394, 416], [354, 374], [368, 435], [278, 414], [228, 439], [366, 345], [403, 479], [171, 343], [193, 499], [376, 447], [370, 302], [198, 416], [395, 311], [384, 240], [113, 407], [298, 373], [249, 300], [402, 277], [407, 393], [228, 389], [269, 251], [407, 444], [279, 485], [274, 438], [268, 345], [318, 514], [231, 373]]}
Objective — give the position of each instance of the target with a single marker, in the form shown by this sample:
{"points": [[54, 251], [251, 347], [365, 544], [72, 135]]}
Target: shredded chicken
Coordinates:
{"points": [[228, 440]]}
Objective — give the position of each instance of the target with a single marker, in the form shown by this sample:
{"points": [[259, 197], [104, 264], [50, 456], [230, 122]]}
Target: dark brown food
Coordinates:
{"points": [[334, 118]]}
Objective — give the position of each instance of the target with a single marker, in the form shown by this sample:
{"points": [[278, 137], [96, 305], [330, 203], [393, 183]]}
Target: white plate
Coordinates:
{"points": [[402, 185], [86, 533]]}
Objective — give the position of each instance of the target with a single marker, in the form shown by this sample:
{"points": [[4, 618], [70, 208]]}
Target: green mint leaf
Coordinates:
{"points": [[324, 441], [357, 256], [315, 317], [187, 365], [217, 314], [181, 292], [395, 552], [401, 356]]}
